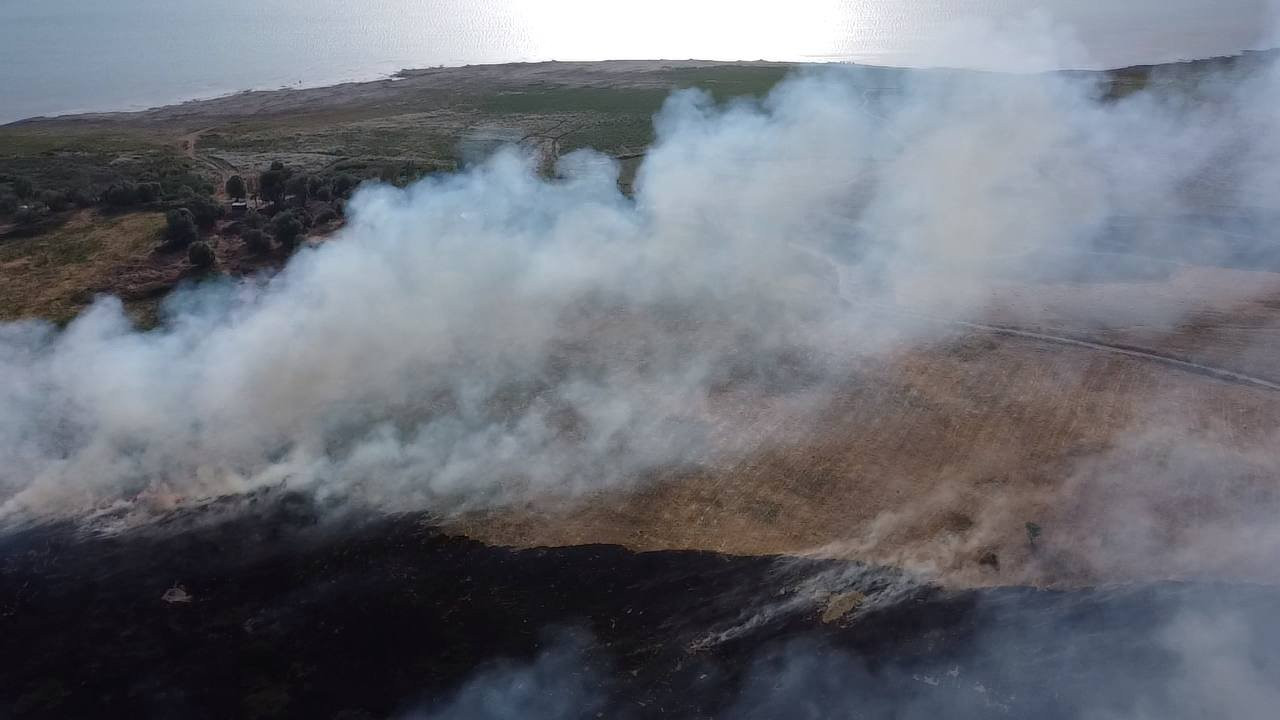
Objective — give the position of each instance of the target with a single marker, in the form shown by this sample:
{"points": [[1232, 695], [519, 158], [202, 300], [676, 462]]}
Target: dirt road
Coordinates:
{"points": [[218, 167]]}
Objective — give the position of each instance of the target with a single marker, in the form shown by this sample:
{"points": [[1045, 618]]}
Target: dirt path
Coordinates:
{"points": [[220, 168]]}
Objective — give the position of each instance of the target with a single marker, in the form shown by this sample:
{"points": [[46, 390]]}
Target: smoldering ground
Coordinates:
{"points": [[385, 618], [1161, 651]]}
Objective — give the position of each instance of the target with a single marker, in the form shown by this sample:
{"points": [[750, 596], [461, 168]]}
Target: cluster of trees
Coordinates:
{"points": [[21, 200], [24, 201], [183, 189], [182, 230], [279, 183], [200, 213], [183, 227], [286, 228], [296, 202]]}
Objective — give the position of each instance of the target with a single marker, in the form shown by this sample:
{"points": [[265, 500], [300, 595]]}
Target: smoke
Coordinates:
{"points": [[495, 336], [560, 684], [1140, 658], [1164, 651]]}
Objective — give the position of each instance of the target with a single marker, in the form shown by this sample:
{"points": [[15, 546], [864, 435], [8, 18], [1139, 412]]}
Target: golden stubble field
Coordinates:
{"points": [[983, 458]]}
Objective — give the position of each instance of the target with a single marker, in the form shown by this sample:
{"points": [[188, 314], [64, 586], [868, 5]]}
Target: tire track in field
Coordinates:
{"points": [[1116, 349], [1132, 351]]}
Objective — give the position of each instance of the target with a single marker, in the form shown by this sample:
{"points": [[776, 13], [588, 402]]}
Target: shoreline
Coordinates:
{"points": [[389, 87], [396, 76]]}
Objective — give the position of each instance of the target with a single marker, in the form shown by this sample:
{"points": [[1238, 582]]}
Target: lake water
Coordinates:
{"points": [[59, 56]]}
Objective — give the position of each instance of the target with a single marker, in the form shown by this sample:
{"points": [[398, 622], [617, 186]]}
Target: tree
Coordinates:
{"points": [[81, 198], [205, 210], [271, 183], [121, 195], [180, 227], [1033, 533], [201, 255], [147, 192], [343, 185], [288, 230], [299, 186], [257, 241], [236, 188]]}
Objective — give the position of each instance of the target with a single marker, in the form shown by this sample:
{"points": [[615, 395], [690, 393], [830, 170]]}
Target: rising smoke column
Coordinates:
{"points": [[481, 338]]}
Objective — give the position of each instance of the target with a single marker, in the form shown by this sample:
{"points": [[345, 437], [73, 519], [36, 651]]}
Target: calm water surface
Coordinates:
{"points": [[60, 56]]}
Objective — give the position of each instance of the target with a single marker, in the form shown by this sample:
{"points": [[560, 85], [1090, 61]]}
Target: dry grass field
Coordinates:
{"points": [[56, 274], [937, 459]]}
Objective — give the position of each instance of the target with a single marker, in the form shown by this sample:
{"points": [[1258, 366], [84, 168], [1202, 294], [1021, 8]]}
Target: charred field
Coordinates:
{"points": [[282, 615]]}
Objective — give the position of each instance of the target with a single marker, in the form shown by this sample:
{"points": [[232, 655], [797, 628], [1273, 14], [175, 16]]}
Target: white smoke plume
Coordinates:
{"points": [[483, 338]]}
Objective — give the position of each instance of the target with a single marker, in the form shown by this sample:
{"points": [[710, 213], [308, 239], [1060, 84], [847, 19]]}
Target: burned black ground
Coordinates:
{"points": [[358, 616]]}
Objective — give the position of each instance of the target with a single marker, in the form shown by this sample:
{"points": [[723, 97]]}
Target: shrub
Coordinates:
{"points": [[23, 188], [288, 230], [121, 195], [257, 241], [180, 227], [201, 255], [56, 201], [184, 184], [326, 216], [28, 214], [253, 219], [147, 192]]}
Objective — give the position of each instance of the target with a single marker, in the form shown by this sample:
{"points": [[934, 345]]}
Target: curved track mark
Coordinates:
{"points": [[1126, 350], [1217, 373]]}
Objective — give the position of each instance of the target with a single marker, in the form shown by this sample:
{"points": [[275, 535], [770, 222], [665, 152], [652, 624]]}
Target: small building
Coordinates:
{"points": [[239, 208]]}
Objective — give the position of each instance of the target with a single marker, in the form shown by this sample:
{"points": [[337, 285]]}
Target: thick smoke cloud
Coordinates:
{"points": [[488, 337]]}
